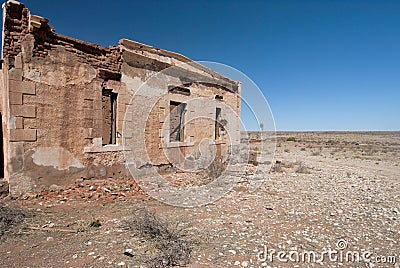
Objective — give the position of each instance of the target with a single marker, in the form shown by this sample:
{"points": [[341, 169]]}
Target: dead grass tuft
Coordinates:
{"points": [[302, 168], [316, 153], [10, 218], [171, 242], [277, 168], [215, 169]]}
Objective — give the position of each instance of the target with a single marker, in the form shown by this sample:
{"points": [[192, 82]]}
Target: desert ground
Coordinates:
{"points": [[336, 191]]}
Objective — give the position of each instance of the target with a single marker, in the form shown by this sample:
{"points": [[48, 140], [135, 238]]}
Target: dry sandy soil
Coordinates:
{"points": [[326, 191]]}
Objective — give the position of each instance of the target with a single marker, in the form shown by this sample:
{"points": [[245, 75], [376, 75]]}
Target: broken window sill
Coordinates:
{"points": [[217, 142], [175, 144], [102, 149]]}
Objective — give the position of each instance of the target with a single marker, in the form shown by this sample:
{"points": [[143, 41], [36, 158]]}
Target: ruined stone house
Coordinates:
{"points": [[72, 109]]}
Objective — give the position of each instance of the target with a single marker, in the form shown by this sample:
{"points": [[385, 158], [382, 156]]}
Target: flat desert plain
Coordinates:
{"points": [[331, 199]]}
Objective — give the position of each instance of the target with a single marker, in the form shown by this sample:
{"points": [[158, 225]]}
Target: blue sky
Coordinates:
{"points": [[322, 65]]}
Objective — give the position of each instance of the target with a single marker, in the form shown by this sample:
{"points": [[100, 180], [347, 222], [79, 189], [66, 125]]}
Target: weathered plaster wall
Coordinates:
{"points": [[147, 126], [53, 116], [53, 108]]}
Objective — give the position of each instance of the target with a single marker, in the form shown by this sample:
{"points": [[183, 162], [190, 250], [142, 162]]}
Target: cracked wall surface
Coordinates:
{"points": [[53, 105]]}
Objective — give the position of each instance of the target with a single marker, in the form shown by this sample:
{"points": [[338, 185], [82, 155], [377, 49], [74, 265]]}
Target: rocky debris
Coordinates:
{"points": [[90, 191]]}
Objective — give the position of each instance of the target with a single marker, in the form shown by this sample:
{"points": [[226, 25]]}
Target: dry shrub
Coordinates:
{"points": [[95, 223], [277, 168], [288, 164], [280, 166], [302, 168], [10, 218], [172, 243], [316, 153], [4, 191], [215, 169]]}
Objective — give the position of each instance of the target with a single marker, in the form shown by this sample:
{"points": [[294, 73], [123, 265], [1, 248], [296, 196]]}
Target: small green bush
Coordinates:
{"points": [[291, 139]]}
